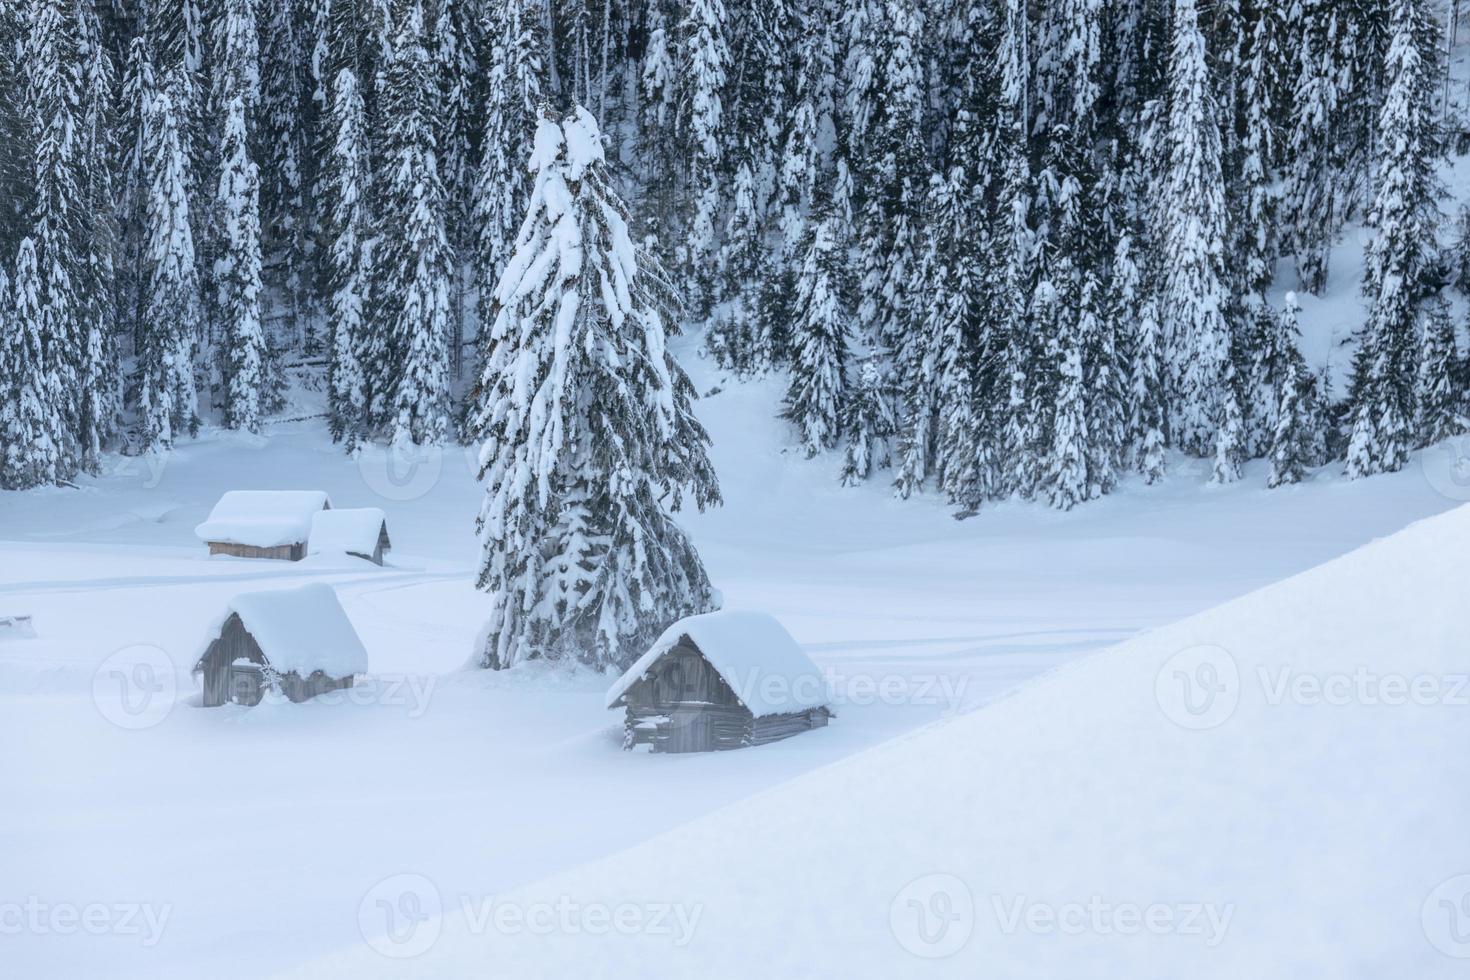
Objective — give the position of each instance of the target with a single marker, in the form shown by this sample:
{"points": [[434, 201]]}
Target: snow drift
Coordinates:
{"points": [[1274, 788]]}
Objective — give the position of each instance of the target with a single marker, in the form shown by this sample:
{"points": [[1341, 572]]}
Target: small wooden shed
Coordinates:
{"points": [[262, 523], [296, 641], [723, 680], [358, 531]]}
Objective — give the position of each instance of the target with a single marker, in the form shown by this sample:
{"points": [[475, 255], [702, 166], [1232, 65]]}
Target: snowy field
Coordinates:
{"points": [[250, 841]]}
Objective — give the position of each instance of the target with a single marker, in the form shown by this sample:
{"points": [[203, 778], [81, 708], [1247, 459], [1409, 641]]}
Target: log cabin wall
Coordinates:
{"points": [[686, 706], [284, 552], [226, 683]]}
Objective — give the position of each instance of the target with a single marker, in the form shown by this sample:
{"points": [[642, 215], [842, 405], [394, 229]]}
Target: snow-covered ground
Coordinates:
{"points": [[241, 842], [1274, 788]]}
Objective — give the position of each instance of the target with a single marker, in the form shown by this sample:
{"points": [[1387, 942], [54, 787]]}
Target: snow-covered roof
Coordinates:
{"points": [[300, 630], [263, 518], [754, 654], [346, 530]]}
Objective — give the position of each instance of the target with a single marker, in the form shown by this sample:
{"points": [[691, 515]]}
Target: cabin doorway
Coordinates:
{"points": [[690, 731]]}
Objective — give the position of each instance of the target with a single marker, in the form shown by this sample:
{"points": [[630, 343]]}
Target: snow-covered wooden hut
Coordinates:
{"points": [[296, 641], [359, 531], [262, 523], [723, 680]]}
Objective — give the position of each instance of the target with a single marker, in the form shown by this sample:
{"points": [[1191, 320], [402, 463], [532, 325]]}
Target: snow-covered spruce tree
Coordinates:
{"points": [[1399, 258], [1258, 228], [1296, 417], [1437, 399], [1133, 302], [1458, 258], [99, 376], [415, 269], [51, 55], [1230, 436], [1065, 477], [170, 328], [512, 91], [1309, 196], [347, 183], [896, 180], [706, 60], [248, 386], [589, 437], [27, 420], [939, 427], [1013, 267], [1196, 289], [868, 421], [819, 336], [1105, 374], [282, 139]]}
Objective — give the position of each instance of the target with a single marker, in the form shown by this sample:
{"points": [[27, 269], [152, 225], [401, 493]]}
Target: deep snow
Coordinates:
{"points": [[1303, 815], [264, 831]]}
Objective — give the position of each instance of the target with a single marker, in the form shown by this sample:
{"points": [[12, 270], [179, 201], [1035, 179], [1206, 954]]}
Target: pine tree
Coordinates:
{"points": [[1134, 302], [1195, 295], [283, 177], [869, 421], [1399, 258], [52, 100], [1014, 265], [415, 267], [170, 329], [512, 91], [249, 387], [819, 329], [1294, 419], [99, 384], [27, 420], [1260, 153], [1309, 195], [897, 179], [1065, 478], [347, 184], [706, 61], [587, 429], [1436, 396]]}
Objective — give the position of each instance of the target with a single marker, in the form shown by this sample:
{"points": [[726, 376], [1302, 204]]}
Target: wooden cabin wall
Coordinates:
{"points": [[222, 684], [225, 684], [284, 552]]}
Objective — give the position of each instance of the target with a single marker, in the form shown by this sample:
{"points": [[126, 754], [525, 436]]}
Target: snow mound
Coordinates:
{"points": [[751, 651], [263, 518], [1298, 811], [346, 530], [300, 630]]}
